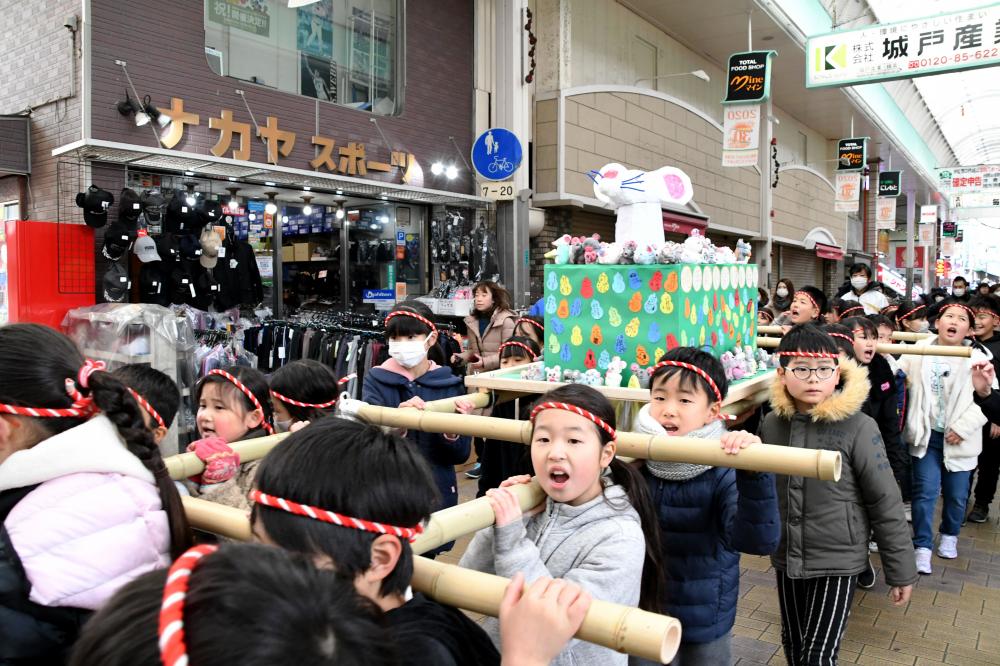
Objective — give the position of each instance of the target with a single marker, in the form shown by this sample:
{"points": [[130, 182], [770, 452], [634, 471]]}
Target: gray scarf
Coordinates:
{"points": [[678, 471]]}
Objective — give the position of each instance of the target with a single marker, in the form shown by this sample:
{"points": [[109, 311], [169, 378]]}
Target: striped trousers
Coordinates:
{"points": [[814, 614]]}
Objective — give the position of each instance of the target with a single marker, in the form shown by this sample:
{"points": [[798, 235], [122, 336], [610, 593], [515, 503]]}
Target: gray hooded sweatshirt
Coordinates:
{"points": [[598, 545]]}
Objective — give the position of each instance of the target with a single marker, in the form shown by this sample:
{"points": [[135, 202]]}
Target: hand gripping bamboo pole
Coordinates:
{"points": [[819, 464], [183, 465], [630, 630], [922, 350], [904, 336]]}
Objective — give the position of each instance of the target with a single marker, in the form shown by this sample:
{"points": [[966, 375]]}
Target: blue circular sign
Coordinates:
{"points": [[496, 154]]}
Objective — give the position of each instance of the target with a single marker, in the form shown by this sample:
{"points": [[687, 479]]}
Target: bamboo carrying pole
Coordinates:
{"points": [[928, 350], [184, 465], [629, 630], [904, 336]]}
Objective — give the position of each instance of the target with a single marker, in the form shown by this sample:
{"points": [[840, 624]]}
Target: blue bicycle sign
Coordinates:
{"points": [[496, 154]]}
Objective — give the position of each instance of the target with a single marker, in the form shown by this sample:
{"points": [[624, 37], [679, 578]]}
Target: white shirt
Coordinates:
{"points": [[873, 300]]}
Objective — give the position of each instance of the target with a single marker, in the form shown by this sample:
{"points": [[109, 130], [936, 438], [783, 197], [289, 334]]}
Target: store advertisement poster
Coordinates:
{"points": [[926, 236], [248, 15], [740, 135], [928, 214], [848, 187], [885, 213], [947, 246], [318, 77], [963, 180], [959, 40], [314, 32]]}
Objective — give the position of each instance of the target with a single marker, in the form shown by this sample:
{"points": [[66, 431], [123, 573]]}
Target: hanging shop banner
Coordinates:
{"points": [[237, 14], [947, 246], [949, 42], [885, 213], [962, 180], [928, 214], [926, 236], [975, 200], [852, 153], [749, 77], [888, 183], [848, 188], [740, 135]]}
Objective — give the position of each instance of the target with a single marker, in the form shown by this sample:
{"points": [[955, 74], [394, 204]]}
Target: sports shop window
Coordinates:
{"points": [[340, 51]]}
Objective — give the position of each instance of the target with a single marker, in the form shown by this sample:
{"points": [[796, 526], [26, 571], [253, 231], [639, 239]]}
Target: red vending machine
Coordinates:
{"points": [[46, 268]]}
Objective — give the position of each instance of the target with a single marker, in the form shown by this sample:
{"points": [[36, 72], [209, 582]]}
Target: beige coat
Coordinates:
{"points": [[487, 346]]}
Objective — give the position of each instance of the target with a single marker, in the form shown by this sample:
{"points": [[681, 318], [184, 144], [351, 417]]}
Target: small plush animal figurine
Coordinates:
{"points": [[614, 374], [553, 374], [743, 251], [638, 196]]}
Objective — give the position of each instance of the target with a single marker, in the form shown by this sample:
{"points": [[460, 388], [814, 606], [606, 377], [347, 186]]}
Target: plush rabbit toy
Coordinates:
{"points": [[638, 196]]}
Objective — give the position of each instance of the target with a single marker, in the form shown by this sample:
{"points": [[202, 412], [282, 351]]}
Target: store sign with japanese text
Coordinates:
{"points": [[241, 15], [888, 183], [848, 189], [348, 158], [928, 214], [740, 135], [975, 200], [926, 234], [749, 77], [948, 42], [852, 153], [960, 180], [885, 213]]}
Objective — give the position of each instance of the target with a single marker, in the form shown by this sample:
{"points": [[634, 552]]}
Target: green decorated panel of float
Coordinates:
{"points": [[594, 312]]}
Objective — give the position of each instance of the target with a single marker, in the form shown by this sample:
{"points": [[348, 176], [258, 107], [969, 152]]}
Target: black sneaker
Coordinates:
{"points": [[979, 514], [866, 579], [474, 472]]}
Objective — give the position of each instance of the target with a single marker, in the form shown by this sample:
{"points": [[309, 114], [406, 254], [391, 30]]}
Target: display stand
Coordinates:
{"points": [[125, 333]]}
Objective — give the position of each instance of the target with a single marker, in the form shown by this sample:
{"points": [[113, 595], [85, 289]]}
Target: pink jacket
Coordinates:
{"points": [[93, 524]]}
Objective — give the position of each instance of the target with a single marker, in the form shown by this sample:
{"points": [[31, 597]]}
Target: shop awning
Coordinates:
{"points": [[678, 222], [824, 251], [15, 146], [222, 168]]}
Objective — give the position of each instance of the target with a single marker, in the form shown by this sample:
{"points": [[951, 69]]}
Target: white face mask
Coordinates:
{"points": [[282, 426], [408, 353], [958, 291], [859, 282], [781, 292], [923, 327]]}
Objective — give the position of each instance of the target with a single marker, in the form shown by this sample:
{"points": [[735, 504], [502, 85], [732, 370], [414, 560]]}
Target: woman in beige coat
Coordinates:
{"points": [[489, 325]]}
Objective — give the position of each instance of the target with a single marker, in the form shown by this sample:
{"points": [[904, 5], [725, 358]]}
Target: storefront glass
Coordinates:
{"points": [[340, 51]]}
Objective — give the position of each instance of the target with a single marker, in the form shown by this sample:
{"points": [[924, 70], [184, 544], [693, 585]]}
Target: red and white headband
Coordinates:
{"points": [[693, 368], [173, 647], [529, 321], [515, 343], [972, 315], [843, 313], [811, 299], [250, 396], [307, 405], [767, 314], [805, 354], [565, 406], [408, 533], [407, 313], [841, 335], [82, 407], [914, 311], [148, 408]]}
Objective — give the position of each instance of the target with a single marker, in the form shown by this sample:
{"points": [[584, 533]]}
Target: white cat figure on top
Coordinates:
{"points": [[637, 197]]}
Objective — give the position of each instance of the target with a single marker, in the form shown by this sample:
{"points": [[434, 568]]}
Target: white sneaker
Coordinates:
{"points": [[948, 547], [908, 511], [923, 556]]}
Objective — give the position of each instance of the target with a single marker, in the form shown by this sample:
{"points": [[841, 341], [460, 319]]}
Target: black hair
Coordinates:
{"points": [[806, 338], [881, 320], [839, 305], [957, 278], [247, 604], [986, 302], [156, 387], [689, 380], [520, 328], [354, 469], [42, 383], [859, 268], [983, 284], [818, 296], [254, 380], [952, 302], [846, 347], [905, 312], [305, 380], [866, 324], [788, 284], [403, 326], [625, 475], [836, 305], [514, 351], [763, 298], [501, 298]]}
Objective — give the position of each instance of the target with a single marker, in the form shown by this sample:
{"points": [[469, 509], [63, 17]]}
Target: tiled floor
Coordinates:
{"points": [[953, 617]]}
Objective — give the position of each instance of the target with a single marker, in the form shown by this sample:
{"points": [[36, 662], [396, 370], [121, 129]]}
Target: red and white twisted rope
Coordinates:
{"points": [[82, 407], [597, 420], [515, 343], [173, 647], [693, 368], [299, 403], [250, 396], [414, 315], [148, 408]]}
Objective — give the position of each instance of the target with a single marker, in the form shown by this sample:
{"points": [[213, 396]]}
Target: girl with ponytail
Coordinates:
{"points": [[86, 503]]}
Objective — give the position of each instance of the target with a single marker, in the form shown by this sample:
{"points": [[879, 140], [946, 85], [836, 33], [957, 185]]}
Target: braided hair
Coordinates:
{"points": [[41, 383]]}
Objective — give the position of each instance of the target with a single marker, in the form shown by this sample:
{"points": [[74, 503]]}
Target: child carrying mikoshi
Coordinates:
{"points": [[157, 395], [987, 309], [596, 526], [944, 430], [302, 391], [707, 515], [817, 404]]}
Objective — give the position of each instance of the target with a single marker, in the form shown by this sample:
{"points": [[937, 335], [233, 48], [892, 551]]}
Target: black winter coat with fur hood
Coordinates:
{"points": [[825, 524]]}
